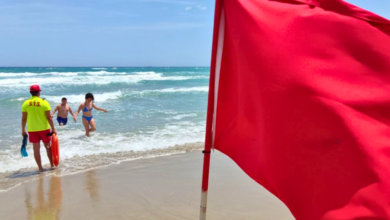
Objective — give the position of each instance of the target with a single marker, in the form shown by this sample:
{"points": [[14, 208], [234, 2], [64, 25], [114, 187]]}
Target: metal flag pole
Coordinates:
{"points": [[211, 108]]}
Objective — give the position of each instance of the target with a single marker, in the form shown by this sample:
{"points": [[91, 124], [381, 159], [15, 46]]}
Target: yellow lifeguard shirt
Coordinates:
{"points": [[36, 117]]}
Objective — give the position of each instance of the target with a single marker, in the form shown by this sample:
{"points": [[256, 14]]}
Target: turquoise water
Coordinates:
{"points": [[149, 108]]}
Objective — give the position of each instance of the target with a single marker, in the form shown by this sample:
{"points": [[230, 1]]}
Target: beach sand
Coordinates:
{"points": [[165, 187]]}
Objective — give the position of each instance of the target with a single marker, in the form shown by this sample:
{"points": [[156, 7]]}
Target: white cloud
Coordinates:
{"points": [[201, 7], [188, 8]]}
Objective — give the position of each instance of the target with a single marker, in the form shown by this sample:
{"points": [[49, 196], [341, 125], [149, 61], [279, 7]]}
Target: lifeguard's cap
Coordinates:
{"points": [[35, 88]]}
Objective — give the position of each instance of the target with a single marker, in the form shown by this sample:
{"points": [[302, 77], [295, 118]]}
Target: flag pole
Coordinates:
{"points": [[210, 110]]}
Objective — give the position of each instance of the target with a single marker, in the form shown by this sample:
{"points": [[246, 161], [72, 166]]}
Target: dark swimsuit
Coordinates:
{"points": [[86, 117], [62, 120]]}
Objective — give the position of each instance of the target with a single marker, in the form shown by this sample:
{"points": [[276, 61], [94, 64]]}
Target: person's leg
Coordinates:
{"points": [[37, 155], [49, 155], [93, 125], [46, 139], [86, 126], [35, 139]]}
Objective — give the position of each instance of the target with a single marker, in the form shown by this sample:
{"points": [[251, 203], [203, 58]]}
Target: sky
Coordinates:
{"points": [[114, 32]]}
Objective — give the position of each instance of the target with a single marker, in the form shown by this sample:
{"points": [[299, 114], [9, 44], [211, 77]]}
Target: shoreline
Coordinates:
{"points": [[13, 179], [155, 188]]}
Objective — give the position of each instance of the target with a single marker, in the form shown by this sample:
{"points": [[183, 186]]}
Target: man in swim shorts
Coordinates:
{"points": [[63, 110], [36, 114]]}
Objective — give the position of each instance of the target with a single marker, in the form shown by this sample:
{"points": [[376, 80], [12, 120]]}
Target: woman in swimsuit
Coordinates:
{"points": [[87, 108]]}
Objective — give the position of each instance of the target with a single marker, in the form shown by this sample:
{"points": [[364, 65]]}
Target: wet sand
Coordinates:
{"points": [[159, 188]]}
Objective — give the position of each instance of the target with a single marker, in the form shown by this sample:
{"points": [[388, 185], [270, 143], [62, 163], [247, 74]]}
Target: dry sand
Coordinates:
{"points": [[159, 188]]}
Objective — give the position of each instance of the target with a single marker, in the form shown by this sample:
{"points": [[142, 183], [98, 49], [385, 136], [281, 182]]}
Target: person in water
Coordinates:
{"points": [[63, 110], [87, 107], [36, 114]]}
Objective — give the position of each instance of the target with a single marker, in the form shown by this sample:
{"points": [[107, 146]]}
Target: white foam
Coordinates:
{"points": [[17, 74], [22, 82], [189, 89], [19, 99], [145, 73], [100, 78], [102, 72], [176, 90], [105, 73], [73, 144], [40, 74], [102, 97], [61, 73], [179, 117]]}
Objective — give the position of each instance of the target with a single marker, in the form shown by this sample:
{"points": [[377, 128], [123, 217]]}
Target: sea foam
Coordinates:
{"points": [[98, 78]]}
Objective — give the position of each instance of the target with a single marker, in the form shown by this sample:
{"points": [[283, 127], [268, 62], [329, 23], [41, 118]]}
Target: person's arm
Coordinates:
{"points": [[78, 110], [50, 119], [100, 109], [55, 109], [74, 116], [24, 122]]}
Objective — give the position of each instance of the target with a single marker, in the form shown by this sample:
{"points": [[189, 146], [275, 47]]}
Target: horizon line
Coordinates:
{"points": [[92, 66]]}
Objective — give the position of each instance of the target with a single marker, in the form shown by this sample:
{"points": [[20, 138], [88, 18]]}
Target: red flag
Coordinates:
{"points": [[301, 102]]}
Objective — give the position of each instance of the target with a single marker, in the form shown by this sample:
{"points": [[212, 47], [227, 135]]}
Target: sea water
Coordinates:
{"points": [[150, 109]]}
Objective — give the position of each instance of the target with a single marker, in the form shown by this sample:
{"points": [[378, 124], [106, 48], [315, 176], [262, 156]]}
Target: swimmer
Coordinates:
{"points": [[63, 110], [87, 107]]}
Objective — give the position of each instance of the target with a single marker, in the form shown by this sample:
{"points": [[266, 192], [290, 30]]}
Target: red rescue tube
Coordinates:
{"points": [[55, 150]]}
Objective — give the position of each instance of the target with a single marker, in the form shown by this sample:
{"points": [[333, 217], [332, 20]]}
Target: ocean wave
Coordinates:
{"points": [[75, 146], [99, 68], [103, 97], [98, 78], [188, 89], [174, 90], [17, 74], [83, 73], [19, 99], [152, 76], [39, 74], [102, 72], [99, 97], [179, 117], [145, 73], [105, 73]]}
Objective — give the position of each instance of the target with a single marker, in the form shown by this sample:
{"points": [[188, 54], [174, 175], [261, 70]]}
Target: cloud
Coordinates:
{"points": [[201, 7], [188, 8]]}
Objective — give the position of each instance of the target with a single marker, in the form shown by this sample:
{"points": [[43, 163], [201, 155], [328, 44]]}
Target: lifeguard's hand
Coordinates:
{"points": [[54, 131], [24, 133]]}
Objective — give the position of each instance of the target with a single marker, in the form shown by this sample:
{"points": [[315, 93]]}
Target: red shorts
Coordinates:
{"points": [[37, 136]]}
